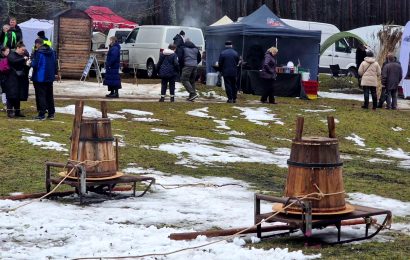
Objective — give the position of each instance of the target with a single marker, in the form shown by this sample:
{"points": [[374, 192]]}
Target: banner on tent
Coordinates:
{"points": [[405, 60]]}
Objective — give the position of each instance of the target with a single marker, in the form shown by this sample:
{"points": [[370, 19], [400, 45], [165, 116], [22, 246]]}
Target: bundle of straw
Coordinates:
{"points": [[390, 39]]}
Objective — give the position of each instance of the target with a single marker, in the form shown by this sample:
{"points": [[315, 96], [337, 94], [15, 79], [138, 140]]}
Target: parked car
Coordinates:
{"points": [[146, 42], [339, 53], [120, 33]]}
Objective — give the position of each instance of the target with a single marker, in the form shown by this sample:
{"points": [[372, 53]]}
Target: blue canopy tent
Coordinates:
{"points": [[255, 33]]}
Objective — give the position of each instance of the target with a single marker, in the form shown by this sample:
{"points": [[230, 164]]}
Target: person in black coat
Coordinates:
{"points": [[179, 41], [15, 30], [228, 65], [112, 68], [17, 82], [168, 68], [268, 73]]}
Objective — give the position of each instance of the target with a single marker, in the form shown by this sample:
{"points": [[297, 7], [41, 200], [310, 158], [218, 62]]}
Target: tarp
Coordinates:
{"points": [[30, 29], [254, 34], [223, 21], [336, 37], [104, 19], [405, 60]]}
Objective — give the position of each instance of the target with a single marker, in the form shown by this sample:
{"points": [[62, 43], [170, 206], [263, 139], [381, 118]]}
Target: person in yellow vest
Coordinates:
{"points": [[46, 41], [8, 38]]}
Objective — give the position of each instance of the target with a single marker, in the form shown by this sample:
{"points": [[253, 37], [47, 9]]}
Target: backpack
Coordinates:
{"points": [[4, 65]]}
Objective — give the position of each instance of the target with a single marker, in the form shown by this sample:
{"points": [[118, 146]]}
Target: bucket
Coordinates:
{"points": [[314, 166], [211, 79], [305, 76], [96, 146]]}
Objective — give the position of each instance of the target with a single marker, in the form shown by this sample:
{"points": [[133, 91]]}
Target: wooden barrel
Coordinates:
{"points": [[95, 146], [314, 166]]}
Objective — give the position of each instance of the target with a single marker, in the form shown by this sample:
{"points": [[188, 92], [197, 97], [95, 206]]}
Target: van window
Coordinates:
{"points": [[132, 37], [195, 35], [342, 46], [121, 36]]}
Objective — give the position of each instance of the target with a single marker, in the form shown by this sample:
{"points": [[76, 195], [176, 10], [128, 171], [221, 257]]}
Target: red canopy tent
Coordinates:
{"points": [[104, 19]]}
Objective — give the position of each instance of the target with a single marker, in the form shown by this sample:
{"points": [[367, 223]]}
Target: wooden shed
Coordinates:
{"points": [[72, 38]]}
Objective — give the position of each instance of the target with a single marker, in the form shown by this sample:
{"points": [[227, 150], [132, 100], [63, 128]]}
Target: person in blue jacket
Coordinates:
{"points": [[112, 77], [228, 65], [168, 69], [44, 65]]}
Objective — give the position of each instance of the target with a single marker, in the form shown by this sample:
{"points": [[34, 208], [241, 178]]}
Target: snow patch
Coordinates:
{"points": [[319, 111], [200, 112], [196, 150], [397, 129], [88, 112], [398, 154], [397, 207], [162, 131], [356, 139], [36, 140], [259, 115], [135, 112]]}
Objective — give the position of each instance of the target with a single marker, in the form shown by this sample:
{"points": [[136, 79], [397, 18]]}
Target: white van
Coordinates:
{"points": [[339, 53], [146, 42], [120, 33]]}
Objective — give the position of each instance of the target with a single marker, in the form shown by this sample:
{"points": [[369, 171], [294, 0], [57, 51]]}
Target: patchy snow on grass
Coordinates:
{"points": [[136, 226], [221, 124], [230, 133], [397, 207], [259, 115], [340, 96], [161, 131], [135, 112], [378, 160], [356, 139], [144, 119], [121, 142], [281, 139], [397, 129], [200, 112], [37, 139], [212, 95], [325, 121], [319, 110], [398, 154], [88, 112], [196, 150]]}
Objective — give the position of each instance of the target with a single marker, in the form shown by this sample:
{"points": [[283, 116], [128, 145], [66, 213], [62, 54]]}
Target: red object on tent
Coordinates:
{"points": [[104, 19]]}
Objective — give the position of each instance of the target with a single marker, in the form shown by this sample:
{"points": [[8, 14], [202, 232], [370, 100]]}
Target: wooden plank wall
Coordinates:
{"points": [[74, 45]]}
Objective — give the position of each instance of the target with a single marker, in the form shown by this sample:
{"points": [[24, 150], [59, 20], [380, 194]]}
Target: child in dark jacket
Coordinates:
{"points": [[168, 68]]}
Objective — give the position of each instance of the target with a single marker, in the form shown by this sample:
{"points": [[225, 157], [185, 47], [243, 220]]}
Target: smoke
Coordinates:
{"points": [[192, 21]]}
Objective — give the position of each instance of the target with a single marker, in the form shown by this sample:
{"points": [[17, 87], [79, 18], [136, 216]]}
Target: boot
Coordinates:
{"points": [[18, 113], [111, 94], [116, 95], [172, 99], [162, 99], [10, 113]]}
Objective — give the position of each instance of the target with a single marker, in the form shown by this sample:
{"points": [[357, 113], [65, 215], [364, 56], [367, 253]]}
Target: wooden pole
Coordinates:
{"points": [[224, 232], [104, 109], [75, 135], [116, 154], [299, 128], [332, 127]]}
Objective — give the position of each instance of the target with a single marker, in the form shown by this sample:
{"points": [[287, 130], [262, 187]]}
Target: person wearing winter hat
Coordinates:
{"points": [[46, 41], [168, 68]]}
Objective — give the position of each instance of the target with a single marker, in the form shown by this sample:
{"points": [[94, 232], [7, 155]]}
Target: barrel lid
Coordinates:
{"points": [[316, 140]]}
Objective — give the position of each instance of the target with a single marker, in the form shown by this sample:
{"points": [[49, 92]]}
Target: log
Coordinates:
{"points": [[299, 128], [224, 232], [331, 126], [75, 136]]}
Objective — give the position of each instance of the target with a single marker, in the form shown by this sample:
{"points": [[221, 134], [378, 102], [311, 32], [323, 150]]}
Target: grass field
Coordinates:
{"points": [[23, 164]]}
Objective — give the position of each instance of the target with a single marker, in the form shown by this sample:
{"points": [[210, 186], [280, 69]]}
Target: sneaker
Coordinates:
{"points": [[193, 97], [162, 99], [50, 117], [109, 95], [39, 117], [19, 115], [172, 99]]}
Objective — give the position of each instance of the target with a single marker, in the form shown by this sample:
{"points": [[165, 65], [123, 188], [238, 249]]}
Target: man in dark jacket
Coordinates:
{"points": [[191, 59], [228, 65], [44, 70], [179, 41], [391, 76], [8, 38], [112, 67], [14, 30]]}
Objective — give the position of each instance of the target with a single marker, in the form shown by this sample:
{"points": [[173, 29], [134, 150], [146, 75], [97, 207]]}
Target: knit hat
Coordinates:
{"points": [[41, 34], [228, 43], [182, 33]]}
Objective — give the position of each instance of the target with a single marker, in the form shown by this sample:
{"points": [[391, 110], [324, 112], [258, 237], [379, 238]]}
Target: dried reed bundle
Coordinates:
{"points": [[390, 39]]}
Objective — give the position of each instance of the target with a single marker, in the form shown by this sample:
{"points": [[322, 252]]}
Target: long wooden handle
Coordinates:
{"points": [[332, 126], [299, 128], [104, 109], [75, 135]]}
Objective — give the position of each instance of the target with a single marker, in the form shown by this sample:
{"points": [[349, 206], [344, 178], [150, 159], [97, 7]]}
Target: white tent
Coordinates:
{"points": [[223, 21], [30, 29]]}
